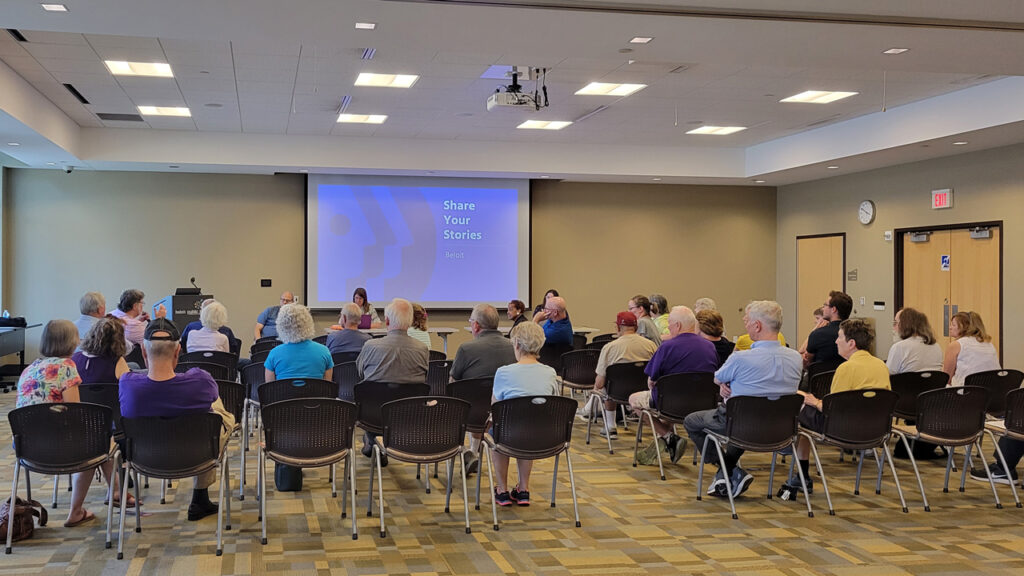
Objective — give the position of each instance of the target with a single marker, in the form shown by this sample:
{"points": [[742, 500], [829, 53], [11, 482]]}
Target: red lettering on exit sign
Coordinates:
{"points": [[942, 198]]}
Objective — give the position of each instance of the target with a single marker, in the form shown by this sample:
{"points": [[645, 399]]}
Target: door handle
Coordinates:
{"points": [[945, 320]]}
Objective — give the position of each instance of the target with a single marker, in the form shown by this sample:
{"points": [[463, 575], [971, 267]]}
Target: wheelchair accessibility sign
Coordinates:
{"points": [[944, 263]]}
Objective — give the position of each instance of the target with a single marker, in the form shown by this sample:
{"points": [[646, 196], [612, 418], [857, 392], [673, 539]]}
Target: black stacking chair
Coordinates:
{"points": [[815, 368], [421, 430], [259, 356], [551, 355], [579, 341], [756, 424], [999, 383], [1011, 426], [909, 385], [370, 396], [578, 370], [346, 376], [232, 395], [820, 385], [437, 356], [478, 392], [264, 345], [173, 448], [253, 376], [596, 344], [949, 417], [533, 428], [57, 439], [266, 339], [321, 339], [604, 338], [291, 388], [343, 357], [620, 380], [217, 371], [226, 359], [857, 420], [136, 356], [437, 376], [308, 433], [679, 395]]}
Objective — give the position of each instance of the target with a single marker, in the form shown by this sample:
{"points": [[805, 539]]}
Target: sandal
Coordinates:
{"points": [[86, 517], [117, 502]]}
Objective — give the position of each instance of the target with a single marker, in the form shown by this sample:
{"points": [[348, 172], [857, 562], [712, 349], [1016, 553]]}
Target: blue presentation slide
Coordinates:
{"points": [[427, 244]]}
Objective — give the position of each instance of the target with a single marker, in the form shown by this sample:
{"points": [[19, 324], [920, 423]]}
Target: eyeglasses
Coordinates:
{"points": [[286, 301]]}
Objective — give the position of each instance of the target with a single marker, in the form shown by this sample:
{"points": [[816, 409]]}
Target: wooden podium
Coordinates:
{"points": [[182, 308]]}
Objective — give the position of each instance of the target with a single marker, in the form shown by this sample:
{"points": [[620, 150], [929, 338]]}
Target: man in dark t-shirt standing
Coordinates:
{"points": [[821, 344]]}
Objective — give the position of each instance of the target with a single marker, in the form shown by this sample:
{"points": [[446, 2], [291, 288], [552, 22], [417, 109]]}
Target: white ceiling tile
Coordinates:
{"points": [[88, 66], [60, 51], [42, 37], [246, 88]]}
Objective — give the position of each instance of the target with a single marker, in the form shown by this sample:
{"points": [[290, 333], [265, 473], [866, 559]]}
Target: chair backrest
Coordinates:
{"points": [[321, 339], [478, 392], [346, 376], [623, 379], [259, 355], [998, 383], [815, 368], [579, 341], [343, 357], [226, 359], [1014, 418], [578, 367], [173, 447], [533, 427], [437, 355], [437, 376], [370, 396], [762, 424], [861, 419], [61, 434], [551, 354], [264, 344], [218, 371], [253, 375], [292, 388], [232, 394], [603, 338], [909, 385], [956, 414], [309, 428], [136, 356], [424, 425], [820, 385], [104, 395], [597, 344], [684, 393]]}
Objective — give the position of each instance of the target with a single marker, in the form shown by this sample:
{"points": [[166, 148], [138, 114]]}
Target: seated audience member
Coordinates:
{"points": [[480, 358], [418, 330], [517, 312], [547, 296], [821, 343], [266, 322], [710, 323], [819, 321], [1012, 450], [860, 371], [768, 369], [234, 344], [100, 357], [555, 321], [659, 311], [359, 299], [704, 304], [93, 307], [915, 349], [299, 356], [131, 309], [162, 393], [527, 377], [640, 306], [628, 346], [212, 317], [347, 337], [971, 352], [686, 351]]}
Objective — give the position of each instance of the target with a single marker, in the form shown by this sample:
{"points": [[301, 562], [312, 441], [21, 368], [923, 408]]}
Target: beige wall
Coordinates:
{"points": [[987, 185]]}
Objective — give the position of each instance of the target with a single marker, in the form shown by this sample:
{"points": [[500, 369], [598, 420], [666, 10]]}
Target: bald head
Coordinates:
{"points": [[398, 314], [287, 298], [681, 320], [557, 306]]}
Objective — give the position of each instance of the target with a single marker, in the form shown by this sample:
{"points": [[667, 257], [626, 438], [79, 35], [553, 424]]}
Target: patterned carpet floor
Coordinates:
{"points": [[633, 523]]}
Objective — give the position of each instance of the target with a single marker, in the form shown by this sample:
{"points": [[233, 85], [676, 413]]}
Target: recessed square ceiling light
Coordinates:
{"points": [[960, 143], [13, 144], [543, 125], [641, 40], [386, 80], [717, 130], [362, 118], [605, 89], [54, 7], [818, 97], [893, 51], [366, 25], [122, 68], [164, 111]]}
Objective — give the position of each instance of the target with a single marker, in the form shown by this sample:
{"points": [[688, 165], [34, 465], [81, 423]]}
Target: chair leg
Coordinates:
{"points": [[860, 468], [771, 475], [639, 438], [572, 487], [554, 480], [125, 474], [56, 482], [334, 484], [490, 480], [886, 455], [821, 474], [220, 505], [465, 495], [69, 483], [419, 467], [881, 465], [243, 448], [435, 469], [13, 499], [344, 488], [966, 466], [593, 415], [917, 473], [225, 479], [1002, 461], [991, 482], [480, 458], [728, 484], [448, 489], [261, 488], [352, 487], [380, 489], [163, 492], [110, 499], [28, 484], [625, 423], [138, 505], [700, 470], [369, 501]]}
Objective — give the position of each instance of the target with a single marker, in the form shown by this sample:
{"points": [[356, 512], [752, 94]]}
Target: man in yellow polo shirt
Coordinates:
{"points": [[860, 371]]}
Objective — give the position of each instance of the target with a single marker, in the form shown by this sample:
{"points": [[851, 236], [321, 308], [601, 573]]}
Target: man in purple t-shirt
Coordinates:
{"points": [[685, 351], [163, 393]]}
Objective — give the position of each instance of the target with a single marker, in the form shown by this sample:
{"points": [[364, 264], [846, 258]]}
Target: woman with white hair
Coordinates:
{"points": [[299, 356], [209, 338], [527, 377]]}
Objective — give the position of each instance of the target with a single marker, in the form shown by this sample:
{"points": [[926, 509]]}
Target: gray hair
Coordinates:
{"points": [[294, 324], [161, 349], [486, 316], [686, 318], [213, 315], [769, 312], [528, 338], [129, 298], [351, 314], [704, 304], [659, 303], [91, 303], [59, 339], [399, 314]]}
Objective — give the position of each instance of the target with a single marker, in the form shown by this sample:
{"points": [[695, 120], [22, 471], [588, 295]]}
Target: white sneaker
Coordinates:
{"points": [[585, 415]]}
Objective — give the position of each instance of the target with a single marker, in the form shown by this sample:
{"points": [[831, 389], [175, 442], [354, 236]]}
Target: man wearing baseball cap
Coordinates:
{"points": [[164, 393], [627, 347]]}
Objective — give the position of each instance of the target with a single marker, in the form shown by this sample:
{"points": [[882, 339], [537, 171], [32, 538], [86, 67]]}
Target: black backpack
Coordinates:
{"points": [[287, 478]]}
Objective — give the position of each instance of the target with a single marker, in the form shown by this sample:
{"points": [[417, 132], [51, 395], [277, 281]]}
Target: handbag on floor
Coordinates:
{"points": [[25, 511], [287, 478]]}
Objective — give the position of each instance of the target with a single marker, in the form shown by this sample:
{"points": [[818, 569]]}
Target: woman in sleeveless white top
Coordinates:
{"points": [[972, 352]]}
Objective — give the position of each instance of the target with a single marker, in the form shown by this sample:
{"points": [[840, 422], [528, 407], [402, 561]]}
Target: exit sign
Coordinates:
{"points": [[942, 198]]}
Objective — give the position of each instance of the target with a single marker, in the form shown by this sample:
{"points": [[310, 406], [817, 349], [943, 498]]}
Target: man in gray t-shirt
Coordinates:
{"points": [[349, 338]]}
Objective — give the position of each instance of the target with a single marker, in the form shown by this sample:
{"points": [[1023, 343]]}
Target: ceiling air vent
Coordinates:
{"points": [[119, 117], [76, 93], [17, 35]]}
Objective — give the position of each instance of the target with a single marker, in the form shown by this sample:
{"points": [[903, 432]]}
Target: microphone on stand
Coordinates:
{"points": [[193, 281]]}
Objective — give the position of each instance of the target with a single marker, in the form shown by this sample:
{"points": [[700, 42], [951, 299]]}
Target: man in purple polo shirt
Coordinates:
{"points": [[684, 351], [163, 393]]}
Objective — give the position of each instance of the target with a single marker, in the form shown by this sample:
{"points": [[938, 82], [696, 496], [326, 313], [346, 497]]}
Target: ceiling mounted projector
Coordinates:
{"points": [[512, 96]]}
